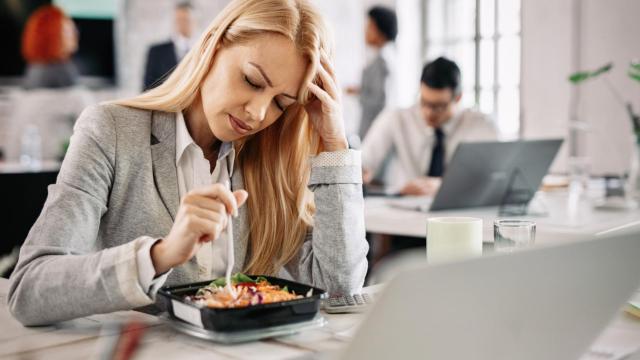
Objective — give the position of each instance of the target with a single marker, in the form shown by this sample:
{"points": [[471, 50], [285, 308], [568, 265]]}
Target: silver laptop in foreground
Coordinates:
{"points": [[543, 303]]}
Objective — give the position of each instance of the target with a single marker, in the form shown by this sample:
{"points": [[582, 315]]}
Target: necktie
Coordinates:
{"points": [[436, 167]]}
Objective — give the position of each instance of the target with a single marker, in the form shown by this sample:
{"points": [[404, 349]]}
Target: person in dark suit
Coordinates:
{"points": [[163, 57]]}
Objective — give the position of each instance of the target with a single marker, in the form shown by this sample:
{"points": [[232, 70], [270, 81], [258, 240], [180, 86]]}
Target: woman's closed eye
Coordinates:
{"points": [[256, 86], [251, 83]]}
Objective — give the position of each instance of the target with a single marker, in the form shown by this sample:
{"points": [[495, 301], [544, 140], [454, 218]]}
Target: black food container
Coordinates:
{"points": [[245, 318]]}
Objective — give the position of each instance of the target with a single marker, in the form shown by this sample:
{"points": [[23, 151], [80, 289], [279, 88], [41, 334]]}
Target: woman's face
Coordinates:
{"points": [[69, 38], [373, 36], [250, 85]]}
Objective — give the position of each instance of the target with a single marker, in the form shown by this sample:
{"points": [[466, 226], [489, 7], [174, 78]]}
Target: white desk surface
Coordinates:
{"points": [[563, 221], [81, 338], [18, 168]]}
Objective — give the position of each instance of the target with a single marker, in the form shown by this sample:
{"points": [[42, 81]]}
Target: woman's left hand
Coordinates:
{"points": [[325, 110]]}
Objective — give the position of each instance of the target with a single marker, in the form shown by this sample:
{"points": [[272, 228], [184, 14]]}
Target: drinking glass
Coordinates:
{"points": [[513, 234]]}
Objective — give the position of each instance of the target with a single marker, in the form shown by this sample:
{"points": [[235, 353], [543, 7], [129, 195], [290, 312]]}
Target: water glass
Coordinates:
{"points": [[510, 234]]}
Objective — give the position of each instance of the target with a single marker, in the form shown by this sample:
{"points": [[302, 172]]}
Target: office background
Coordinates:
{"points": [[539, 43], [515, 56], [515, 59]]}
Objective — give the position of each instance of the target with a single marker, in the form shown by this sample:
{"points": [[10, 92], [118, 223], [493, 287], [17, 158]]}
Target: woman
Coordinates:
{"points": [[50, 82], [377, 85], [49, 39], [141, 190]]}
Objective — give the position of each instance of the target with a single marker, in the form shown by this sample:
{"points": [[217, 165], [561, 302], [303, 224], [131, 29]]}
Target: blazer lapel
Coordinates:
{"points": [[163, 154]]}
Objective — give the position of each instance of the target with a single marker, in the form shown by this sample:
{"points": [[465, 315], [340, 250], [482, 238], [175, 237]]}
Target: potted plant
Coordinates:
{"points": [[632, 187]]}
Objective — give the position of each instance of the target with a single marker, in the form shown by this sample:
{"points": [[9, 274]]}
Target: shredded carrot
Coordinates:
{"points": [[261, 292]]}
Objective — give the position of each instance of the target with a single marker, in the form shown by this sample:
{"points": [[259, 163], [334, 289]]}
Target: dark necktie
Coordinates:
{"points": [[436, 168]]}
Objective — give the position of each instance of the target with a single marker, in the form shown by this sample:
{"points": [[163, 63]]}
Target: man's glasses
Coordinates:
{"points": [[436, 107]]}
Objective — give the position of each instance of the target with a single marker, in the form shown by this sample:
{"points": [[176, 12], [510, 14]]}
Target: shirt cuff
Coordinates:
{"points": [[336, 167], [347, 157], [149, 283]]}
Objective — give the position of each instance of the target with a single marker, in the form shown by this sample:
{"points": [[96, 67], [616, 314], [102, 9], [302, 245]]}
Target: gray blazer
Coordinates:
{"points": [[118, 185]]}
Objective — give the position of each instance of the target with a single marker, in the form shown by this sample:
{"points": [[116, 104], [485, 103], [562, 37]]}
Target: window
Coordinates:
{"points": [[483, 38]]}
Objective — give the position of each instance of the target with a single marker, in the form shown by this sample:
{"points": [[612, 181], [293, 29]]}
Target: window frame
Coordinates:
{"points": [[447, 42]]}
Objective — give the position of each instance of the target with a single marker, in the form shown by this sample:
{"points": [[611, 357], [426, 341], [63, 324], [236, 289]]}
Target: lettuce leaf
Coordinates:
{"points": [[240, 278], [235, 279]]}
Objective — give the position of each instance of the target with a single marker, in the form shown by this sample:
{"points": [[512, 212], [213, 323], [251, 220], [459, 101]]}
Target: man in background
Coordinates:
{"points": [[421, 139], [377, 85], [163, 57]]}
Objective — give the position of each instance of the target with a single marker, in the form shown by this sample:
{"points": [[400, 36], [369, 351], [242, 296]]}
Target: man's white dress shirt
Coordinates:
{"points": [[406, 137], [182, 45]]}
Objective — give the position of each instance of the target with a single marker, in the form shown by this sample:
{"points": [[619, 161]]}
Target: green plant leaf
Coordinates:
{"points": [[635, 77], [603, 69], [578, 77], [581, 76], [635, 65]]}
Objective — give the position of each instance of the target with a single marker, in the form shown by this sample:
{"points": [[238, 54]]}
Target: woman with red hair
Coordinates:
{"points": [[50, 100], [50, 38]]}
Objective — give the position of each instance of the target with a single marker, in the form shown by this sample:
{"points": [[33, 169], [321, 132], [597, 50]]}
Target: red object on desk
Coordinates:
{"points": [[129, 340]]}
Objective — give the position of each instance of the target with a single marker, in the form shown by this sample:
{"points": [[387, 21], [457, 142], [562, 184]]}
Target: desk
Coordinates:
{"points": [[18, 168], [79, 339], [564, 222]]}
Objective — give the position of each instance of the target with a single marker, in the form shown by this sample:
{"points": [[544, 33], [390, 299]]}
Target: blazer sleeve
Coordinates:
{"points": [[63, 272], [334, 254]]}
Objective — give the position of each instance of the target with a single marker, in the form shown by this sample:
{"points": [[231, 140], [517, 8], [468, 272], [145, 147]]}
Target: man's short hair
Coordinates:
{"points": [[184, 5], [442, 73], [385, 20]]}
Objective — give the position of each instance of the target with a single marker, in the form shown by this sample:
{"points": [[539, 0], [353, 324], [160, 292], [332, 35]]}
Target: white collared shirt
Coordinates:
{"points": [[408, 139], [182, 45], [193, 172]]}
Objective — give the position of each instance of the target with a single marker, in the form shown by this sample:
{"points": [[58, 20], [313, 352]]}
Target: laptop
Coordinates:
{"points": [[542, 303], [489, 174]]}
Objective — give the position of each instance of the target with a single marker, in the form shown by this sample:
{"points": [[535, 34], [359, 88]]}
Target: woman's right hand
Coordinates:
{"points": [[201, 218]]}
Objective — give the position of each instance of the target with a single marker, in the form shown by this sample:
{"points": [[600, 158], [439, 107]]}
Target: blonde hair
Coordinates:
{"points": [[275, 161]]}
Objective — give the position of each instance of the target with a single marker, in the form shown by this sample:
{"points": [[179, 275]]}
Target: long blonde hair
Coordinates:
{"points": [[275, 161]]}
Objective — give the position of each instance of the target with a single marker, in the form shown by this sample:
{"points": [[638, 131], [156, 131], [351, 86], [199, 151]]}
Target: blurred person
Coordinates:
{"points": [[420, 140], [162, 58], [42, 113], [377, 87], [49, 40], [251, 116]]}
